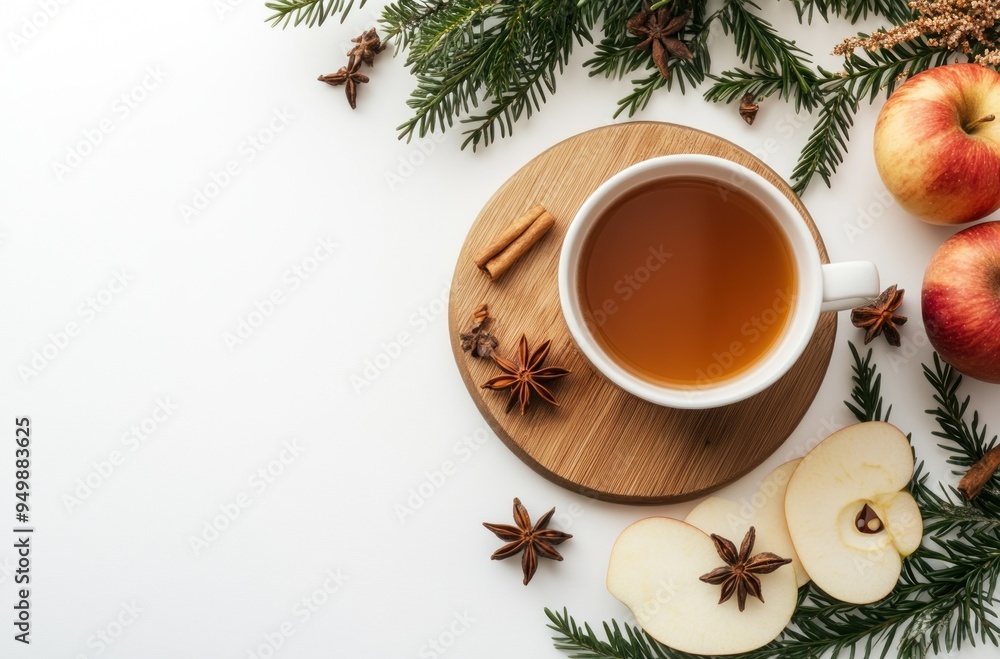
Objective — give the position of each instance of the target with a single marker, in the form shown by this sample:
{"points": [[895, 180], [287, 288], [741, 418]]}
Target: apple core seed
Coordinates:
{"points": [[868, 521]]}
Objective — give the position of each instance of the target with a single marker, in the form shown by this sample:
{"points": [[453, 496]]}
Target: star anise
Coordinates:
{"points": [[879, 316], [740, 573], [532, 541], [476, 339], [350, 77], [657, 30], [368, 46], [526, 375]]}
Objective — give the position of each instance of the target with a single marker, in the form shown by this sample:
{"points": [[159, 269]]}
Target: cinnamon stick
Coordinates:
{"points": [[979, 474], [502, 262], [508, 235]]}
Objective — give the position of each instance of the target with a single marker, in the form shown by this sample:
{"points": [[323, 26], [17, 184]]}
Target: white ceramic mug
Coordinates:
{"points": [[821, 287]]}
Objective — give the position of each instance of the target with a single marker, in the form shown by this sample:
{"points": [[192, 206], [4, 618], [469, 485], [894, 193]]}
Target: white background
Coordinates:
{"points": [[399, 213]]}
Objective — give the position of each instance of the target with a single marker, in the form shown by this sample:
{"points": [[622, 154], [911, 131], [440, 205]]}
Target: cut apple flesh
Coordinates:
{"points": [[868, 464], [903, 521], [654, 570], [765, 511]]}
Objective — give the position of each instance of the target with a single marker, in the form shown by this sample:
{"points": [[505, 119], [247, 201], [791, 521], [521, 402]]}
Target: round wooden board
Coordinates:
{"points": [[603, 442]]}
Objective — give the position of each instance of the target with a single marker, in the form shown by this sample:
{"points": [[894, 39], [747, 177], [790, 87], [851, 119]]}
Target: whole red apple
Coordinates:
{"points": [[961, 301], [937, 144]]}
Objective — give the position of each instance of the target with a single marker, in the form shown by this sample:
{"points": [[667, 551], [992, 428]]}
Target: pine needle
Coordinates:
{"points": [[897, 11], [310, 12]]}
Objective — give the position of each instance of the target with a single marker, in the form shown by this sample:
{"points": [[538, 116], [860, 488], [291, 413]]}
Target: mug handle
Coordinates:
{"points": [[849, 284]]}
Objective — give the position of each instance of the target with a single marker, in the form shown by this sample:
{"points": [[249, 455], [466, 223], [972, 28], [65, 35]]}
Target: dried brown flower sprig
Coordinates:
{"points": [[971, 27]]}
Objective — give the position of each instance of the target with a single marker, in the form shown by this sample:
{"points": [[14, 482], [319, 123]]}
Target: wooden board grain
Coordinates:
{"points": [[603, 442]]}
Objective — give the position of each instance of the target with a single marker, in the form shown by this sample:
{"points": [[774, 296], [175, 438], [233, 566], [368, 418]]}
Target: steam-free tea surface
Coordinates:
{"points": [[602, 441], [687, 282]]}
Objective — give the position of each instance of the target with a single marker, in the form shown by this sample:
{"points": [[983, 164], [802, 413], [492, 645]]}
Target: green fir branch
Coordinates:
{"points": [[457, 27], [309, 12], [734, 84], [504, 55], [942, 601], [436, 101], [968, 443], [897, 11], [945, 513], [779, 67], [523, 93], [760, 46], [642, 92], [615, 55], [965, 441], [616, 58], [824, 150], [507, 54], [877, 73], [871, 75], [867, 391], [403, 20]]}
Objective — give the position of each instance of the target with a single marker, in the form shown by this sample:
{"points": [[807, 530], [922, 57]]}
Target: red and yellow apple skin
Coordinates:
{"points": [[960, 301], [936, 150]]}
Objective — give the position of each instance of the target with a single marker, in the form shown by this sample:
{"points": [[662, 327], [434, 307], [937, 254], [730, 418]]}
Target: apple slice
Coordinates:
{"points": [[654, 570], [765, 511], [902, 521], [847, 515]]}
